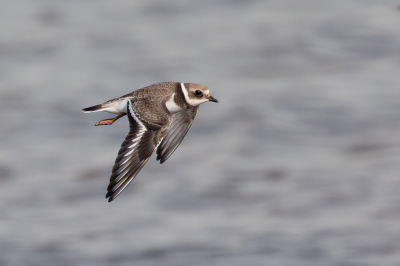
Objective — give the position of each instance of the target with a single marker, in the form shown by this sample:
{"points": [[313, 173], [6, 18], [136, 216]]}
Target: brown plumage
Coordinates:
{"points": [[159, 116]]}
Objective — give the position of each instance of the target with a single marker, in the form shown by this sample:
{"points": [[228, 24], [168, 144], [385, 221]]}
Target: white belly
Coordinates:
{"points": [[118, 107]]}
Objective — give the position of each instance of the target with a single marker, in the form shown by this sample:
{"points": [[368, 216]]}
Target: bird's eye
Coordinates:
{"points": [[198, 93]]}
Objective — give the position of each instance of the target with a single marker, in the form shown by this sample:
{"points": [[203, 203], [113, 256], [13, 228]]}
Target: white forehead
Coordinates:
{"points": [[191, 101]]}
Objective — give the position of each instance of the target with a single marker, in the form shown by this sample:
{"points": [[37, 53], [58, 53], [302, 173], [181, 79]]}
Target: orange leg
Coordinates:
{"points": [[109, 121]]}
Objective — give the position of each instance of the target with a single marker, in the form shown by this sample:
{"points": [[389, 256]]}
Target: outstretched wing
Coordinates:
{"points": [[138, 146], [181, 122]]}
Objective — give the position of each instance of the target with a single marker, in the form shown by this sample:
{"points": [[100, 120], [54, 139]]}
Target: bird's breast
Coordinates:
{"points": [[172, 106]]}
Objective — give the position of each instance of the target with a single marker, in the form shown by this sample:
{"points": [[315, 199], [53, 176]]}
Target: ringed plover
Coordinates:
{"points": [[159, 117]]}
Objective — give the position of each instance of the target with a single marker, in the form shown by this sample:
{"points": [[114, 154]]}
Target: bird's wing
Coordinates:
{"points": [[181, 122], [139, 144]]}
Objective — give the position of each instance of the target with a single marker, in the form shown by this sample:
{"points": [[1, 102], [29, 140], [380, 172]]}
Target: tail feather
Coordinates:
{"points": [[94, 108]]}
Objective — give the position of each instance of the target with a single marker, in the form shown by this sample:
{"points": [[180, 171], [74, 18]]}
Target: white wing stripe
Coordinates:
{"points": [[159, 143], [141, 130], [122, 169], [128, 153], [127, 159], [136, 140]]}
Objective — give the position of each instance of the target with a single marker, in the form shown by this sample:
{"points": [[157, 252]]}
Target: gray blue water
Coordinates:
{"points": [[299, 163]]}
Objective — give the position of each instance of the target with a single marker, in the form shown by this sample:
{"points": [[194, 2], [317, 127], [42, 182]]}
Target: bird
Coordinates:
{"points": [[159, 117]]}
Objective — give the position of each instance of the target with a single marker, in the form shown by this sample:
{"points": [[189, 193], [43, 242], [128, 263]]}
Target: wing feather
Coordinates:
{"points": [[181, 122], [138, 146]]}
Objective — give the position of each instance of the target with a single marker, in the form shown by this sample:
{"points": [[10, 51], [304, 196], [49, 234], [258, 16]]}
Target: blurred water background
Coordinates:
{"points": [[299, 163]]}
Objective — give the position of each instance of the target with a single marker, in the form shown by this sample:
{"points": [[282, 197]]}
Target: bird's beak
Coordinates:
{"points": [[212, 99]]}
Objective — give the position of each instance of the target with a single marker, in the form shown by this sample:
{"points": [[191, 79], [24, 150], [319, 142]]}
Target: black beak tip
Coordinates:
{"points": [[212, 99]]}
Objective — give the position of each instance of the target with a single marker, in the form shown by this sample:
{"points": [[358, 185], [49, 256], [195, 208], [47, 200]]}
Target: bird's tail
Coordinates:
{"points": [[94, 108]]}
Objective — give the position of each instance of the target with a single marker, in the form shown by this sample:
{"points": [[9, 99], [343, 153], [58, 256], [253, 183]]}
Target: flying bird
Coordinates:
{"points": [[159, 117]]}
